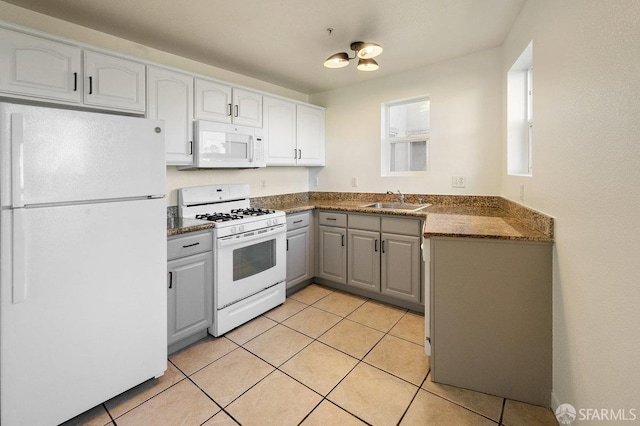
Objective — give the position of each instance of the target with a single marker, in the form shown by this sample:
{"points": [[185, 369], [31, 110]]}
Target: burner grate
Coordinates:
{"points": [[253, 211], [219, 217]]}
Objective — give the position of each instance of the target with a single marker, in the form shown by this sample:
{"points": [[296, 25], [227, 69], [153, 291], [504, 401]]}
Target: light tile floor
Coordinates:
{"points": [[322, 358]]}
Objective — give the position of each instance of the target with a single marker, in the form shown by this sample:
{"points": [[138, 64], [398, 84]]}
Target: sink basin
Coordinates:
{"points": [[397, 206]]}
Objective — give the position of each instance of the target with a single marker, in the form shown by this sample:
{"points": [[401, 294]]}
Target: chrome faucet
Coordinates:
{"points": [[399, 195]]}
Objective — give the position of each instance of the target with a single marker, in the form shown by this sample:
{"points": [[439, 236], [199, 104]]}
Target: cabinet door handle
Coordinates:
{"points": [[90, 85], [190, 245], [287, 244], [75, 81], [375, 245], [382, 246], [331, 218], [299, 154], [295, 154], [297, 221], [236, 114], [170, 279], [342, 240], [190, 147], [229, 110]]}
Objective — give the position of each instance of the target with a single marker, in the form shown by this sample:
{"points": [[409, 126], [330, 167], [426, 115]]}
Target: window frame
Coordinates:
{"points": [[387, 142], [520, 126]]}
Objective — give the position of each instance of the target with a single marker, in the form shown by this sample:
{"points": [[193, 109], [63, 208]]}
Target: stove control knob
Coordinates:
{"points": [[233, 230], [241, 228]]}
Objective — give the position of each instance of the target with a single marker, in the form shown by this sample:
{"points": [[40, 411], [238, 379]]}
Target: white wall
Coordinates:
{"points": [[279, 180], [466, 103], [586, 173]]}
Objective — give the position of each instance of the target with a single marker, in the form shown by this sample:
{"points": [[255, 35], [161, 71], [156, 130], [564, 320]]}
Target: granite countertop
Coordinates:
{"points": [[445, 216], [440, 220], [478, 222]]}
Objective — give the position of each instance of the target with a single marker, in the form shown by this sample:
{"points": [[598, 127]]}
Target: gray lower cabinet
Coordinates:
{"points": [[332, 247], [299, 249], [190, 285], [384, 255], [401, 266], [491, 316], [364, 259]]}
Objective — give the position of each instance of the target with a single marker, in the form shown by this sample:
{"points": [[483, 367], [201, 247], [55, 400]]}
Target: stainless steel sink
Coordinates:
{"points": [[397, 206]]}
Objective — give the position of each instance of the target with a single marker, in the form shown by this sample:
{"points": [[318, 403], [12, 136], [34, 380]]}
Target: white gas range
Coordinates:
{"points": [[249, 252]]}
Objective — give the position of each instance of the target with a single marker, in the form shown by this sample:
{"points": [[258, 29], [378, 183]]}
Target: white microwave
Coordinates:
{"points": [[221, 145]]}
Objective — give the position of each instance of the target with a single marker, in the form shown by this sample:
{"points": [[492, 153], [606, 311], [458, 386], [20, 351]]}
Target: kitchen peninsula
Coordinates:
{"points": [[487, 286]]}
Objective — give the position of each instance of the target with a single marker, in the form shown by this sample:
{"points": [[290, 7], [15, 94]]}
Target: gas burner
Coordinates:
{"points": [[253, 211], [218, 217]]}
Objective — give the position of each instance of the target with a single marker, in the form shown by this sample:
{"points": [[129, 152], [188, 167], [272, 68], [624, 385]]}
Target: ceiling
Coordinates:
{"points": [[285, 42]]}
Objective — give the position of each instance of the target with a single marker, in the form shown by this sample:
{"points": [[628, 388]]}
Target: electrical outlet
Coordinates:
{"points": [[459, 181], [522, 192], [317, 183], [263, 183], [354, 181]]}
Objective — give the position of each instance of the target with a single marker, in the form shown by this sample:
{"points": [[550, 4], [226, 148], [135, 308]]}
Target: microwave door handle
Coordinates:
{"points": [[251, 149]]}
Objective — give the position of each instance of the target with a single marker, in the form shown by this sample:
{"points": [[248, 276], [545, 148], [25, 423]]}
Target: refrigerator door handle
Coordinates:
{"points": [[17, 160], [19, 293]]}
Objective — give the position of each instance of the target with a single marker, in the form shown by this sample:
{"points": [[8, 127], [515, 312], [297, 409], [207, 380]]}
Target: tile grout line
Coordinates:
{"points": [[504, 403]]}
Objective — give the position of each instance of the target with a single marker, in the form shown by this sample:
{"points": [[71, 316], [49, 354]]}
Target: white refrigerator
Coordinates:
{"points": [[83, 260]]}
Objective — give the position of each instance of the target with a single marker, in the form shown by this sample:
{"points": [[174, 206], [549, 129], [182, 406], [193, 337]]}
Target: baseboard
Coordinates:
{"points": [[555, 402], [376, 296]]}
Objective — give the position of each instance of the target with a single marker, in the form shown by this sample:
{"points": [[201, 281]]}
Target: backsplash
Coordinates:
{"points": [[172, 212]]}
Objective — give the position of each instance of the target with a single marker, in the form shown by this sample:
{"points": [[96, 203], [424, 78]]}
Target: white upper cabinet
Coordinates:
{"points": [[213, 101], [221, 102], [310, 135], [114, 82], [279, 132], [247, 108], [36, 67], [41, 68], [170, 98], [294, 133]]}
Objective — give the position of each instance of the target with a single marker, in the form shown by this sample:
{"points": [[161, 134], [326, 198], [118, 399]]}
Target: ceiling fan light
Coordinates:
{"points": [[337, 60], [367, 65], [369, 50]]}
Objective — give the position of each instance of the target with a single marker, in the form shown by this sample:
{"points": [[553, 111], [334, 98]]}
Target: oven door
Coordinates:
{"points": [[248, 263]]}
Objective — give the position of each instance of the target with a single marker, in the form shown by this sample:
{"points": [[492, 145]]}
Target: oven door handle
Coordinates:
{"points": [[233, 240]]}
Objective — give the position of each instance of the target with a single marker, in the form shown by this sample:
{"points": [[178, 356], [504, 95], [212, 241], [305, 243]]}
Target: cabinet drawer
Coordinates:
{"points": [[401, 226], [364, 221], [296, 221], [187, 245], [333, 219]]}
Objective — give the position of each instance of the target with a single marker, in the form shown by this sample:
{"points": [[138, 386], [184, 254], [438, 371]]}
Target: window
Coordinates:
{"points": [[405, 137], [520, 115]]}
